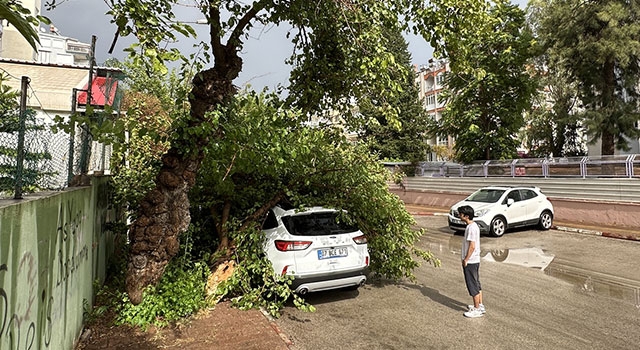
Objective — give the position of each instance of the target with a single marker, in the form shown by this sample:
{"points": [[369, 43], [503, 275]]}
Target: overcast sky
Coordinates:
{"points": [[263, 54]]}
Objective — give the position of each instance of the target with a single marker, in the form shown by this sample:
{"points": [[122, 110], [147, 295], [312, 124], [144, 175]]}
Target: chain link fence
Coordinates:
{"points": [[50, 160]]}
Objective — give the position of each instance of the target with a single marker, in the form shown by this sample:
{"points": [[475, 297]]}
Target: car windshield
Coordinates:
{"points": [[316, 224], [486, 195]]}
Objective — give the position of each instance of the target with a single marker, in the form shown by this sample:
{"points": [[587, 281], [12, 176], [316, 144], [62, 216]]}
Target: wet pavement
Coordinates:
{"points": [[341, 318], [542, 289], [576, 227]]}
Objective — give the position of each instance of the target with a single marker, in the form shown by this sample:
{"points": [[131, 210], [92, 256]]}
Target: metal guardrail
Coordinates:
{"points": [[595, 189], [614, 166]]}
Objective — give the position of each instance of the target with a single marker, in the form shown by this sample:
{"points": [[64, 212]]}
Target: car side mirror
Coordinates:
{"points": [[510, 201]]}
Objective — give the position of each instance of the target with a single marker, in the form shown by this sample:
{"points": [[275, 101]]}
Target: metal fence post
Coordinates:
{"points": [[72, 135], [583, 166], [21, 132]]}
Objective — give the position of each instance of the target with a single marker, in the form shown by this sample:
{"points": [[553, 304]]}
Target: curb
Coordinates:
{"points": [[559, 228], [274, 326], [598, 233], [428, 213], [577, 230]]}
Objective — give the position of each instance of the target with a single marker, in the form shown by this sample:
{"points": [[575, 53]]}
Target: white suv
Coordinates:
{"points": [[498, 208], [317, 248]]}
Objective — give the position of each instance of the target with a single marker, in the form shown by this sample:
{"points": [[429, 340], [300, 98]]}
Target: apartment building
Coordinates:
{"points": [[430, 80]]}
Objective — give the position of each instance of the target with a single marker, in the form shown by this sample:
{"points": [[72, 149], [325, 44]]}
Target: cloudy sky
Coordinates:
{"points": [[264, 53]]}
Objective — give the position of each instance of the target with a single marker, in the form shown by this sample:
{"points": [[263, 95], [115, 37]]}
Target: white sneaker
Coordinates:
{"points": [[481, 307], [473, 313]]}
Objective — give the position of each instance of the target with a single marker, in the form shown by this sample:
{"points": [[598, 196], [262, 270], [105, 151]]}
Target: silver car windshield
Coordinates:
{"points": [[486, 195], [316, 224]]}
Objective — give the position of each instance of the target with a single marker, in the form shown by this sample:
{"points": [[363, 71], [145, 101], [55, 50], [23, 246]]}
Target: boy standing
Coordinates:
{"points": [[471, 261]]}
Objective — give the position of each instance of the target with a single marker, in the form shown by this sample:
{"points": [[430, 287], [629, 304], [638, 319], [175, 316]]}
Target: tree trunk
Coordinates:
{"points": [[164, 211], [608, 98], [221, 227]]}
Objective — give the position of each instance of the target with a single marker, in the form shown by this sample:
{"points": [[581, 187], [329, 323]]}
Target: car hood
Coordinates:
{"points": [[475, 205]]}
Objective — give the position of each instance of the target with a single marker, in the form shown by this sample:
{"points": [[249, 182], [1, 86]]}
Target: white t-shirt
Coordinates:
{"points": [[471, 233]]}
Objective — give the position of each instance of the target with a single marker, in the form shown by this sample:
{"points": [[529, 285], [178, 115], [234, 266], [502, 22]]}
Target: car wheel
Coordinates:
{"points": [[546, 220], [498, 226], [500, 255]]}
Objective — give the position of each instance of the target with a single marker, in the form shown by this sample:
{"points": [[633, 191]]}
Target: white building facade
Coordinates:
{"points": [[430, 80]]}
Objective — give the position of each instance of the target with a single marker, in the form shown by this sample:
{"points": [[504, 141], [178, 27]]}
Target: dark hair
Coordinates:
{"points": [[466, 210]]}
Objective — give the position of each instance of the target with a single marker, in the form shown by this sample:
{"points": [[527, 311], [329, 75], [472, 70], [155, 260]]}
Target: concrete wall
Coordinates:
{"points": [[53, 247]]}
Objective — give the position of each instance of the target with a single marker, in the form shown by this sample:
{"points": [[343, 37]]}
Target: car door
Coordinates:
{"points": [[516, 212], [532, 204]]}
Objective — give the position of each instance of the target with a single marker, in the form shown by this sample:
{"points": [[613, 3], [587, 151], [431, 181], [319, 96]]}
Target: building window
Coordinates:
{"points": [[431, 100], [440, 79], [44, 56], [444, 141]]}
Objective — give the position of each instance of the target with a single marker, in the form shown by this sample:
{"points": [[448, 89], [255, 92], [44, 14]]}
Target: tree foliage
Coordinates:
{"points": [[485, 105], [553, 125], [340, 39], [597, 43], [401, 139], [22, 19], [267, 157]]}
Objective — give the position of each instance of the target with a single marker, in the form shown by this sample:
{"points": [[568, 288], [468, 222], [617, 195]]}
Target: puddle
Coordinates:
{"points": [[588, 281], [597, 283], [527, 257]]}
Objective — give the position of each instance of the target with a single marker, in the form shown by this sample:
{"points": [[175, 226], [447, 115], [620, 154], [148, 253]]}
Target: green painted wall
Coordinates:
{"points": [[53, 248]]}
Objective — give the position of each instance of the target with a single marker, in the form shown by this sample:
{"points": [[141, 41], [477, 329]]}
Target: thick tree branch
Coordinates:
{"points": [[262, 210], [234, 39], [215, 31]]}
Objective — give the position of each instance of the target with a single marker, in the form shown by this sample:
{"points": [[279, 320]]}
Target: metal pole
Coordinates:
{"points": [[21, 132], [72, 135], [91, 63], [86, 142]]}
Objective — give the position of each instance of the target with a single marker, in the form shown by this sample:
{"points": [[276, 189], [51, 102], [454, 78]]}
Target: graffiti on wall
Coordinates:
{"points": [[35, 286]]}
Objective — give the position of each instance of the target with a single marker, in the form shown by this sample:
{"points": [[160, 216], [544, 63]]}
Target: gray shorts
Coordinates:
{"points": [[472, 278]]}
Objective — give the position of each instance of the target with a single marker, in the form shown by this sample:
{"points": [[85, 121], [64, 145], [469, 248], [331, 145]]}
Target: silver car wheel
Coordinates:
{"points": [[498, 226], [546, 220]]}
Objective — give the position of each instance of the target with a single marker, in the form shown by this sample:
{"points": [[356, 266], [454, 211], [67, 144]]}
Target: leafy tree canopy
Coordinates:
{"points": [[401, 139], [339, 56], [267, 157], [597, 44], [485, 105]]}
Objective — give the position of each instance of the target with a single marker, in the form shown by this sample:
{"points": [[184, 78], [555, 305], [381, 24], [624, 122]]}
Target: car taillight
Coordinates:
{"points": [[366, 261], [285, 246], [360, 239]]}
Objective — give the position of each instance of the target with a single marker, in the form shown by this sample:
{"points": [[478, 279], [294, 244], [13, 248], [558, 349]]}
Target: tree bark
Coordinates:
{"points": [[164, 211], [608, 97]]}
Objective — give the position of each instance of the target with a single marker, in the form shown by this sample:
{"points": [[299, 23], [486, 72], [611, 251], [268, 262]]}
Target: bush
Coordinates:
{"points": [[181, 292]]}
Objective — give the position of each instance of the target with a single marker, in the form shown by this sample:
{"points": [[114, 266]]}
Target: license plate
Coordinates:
{"points": [[456, 221], [332, 253]]}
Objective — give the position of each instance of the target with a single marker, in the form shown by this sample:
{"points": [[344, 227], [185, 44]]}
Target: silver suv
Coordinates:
{"points": [[319, 249], [498, 208]]}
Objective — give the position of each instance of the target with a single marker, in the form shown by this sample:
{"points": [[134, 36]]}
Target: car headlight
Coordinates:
{"points": [[481, 212]]}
